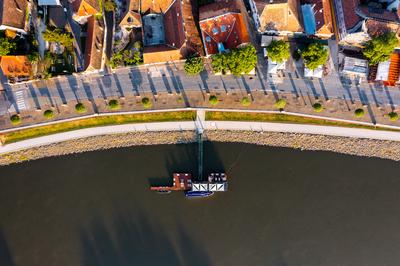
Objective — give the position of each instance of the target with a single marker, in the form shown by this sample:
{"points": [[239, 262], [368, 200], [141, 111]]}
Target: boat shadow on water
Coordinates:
{"points": [[135, 239]]}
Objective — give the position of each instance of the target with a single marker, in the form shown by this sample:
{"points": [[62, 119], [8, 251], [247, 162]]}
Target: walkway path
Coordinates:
{"points": [[207, 125]]}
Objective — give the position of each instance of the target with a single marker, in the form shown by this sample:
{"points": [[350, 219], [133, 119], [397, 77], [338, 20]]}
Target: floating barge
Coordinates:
{"points": [[217, 182]]}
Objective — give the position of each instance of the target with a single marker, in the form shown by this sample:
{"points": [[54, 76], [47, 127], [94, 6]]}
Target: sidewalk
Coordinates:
{"points": [[206, 125]]}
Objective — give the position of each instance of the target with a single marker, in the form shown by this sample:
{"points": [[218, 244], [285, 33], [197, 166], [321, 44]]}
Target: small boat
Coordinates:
{"points": [[198, 194]]}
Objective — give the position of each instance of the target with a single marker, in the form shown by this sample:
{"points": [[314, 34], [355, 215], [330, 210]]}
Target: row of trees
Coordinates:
{"points": [[314, 55], [238, 61]]}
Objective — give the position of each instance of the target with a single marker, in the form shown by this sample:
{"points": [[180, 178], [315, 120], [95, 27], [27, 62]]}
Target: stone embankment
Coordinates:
{"points": [[352, 146]]}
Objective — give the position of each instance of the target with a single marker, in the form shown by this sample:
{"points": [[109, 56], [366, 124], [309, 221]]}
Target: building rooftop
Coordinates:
{"points": [[57, 17], [172, 31], [130, 14], [223, 28], [355, 66], [379, 14], [317, 17], [49, 3], [155, 6], [15, 65], [13, 13], [85, 7], [351, 19], [94, 44], [278, 15]]}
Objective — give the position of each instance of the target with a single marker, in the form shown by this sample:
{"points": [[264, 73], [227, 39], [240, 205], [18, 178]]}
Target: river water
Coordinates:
{"points": [[284, 207]]}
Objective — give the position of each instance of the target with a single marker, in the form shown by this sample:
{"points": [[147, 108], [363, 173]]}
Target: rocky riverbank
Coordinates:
{"points": [[360, 147]]}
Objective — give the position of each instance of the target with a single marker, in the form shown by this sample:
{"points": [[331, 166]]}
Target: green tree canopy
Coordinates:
{"points": [[218, 63], [237, 61], [278, 51], [193, 65], [58, 35], [380, 48], [109, 5], [33, 57], [126, 58], [6, 46], [242, 60], [314, 55]]}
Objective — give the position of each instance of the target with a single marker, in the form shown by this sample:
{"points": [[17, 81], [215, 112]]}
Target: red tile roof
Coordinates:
{"points": [[223, 22], [383, 14], [94, 44], [13, 12], [15, 66], [181, 34], [322, 14], [349, 9], [228, 29]]}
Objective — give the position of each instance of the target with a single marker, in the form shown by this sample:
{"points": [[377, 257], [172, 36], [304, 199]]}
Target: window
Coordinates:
{"points": [[208, 39], [223, 28], [215, 31]]}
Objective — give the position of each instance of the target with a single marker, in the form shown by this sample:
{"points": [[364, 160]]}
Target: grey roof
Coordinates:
{"points": [[49, 3]]}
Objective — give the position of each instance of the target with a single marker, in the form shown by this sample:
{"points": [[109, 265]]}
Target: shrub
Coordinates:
{"points": [[114, 105], [318, 107], [15, 119], [48, 114], [245, 101], [393, 116], [6, 46], [280, 104], [80, 108], [146, 102], [193, 65], [359, 112], [213, 100]]}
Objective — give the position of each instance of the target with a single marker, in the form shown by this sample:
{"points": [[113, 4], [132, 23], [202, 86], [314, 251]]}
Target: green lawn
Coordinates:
{"points": [[95, 122], [265, 117]]}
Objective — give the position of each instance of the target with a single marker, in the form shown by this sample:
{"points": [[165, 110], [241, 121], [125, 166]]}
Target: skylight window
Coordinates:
{"points": [[215, 31], [208, 39], [223, 28]]}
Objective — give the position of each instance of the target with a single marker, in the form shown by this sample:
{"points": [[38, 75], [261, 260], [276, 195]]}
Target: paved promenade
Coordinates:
{"points": [[207, 125]]}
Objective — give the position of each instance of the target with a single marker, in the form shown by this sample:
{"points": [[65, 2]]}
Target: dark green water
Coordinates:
{"points": [[284, 207]]}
